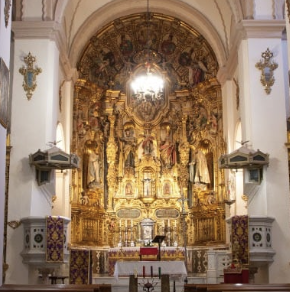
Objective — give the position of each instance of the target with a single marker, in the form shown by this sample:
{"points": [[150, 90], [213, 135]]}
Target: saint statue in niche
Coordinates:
{"points": [[147, 145], [93, 168], [129, 148]]}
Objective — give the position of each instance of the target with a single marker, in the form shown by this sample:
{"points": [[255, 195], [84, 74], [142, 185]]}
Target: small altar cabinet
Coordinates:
{"points": [[175, 269], [148, 251]]}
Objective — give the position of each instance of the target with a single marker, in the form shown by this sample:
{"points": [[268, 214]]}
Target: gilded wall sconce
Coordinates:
{"points": [[29, 74], [267, 66]]}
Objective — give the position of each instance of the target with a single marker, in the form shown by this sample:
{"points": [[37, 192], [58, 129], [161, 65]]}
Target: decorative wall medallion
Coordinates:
{"points": [[38, 238], [257, 237], [29, 73], [7, 11], [267, 66]]}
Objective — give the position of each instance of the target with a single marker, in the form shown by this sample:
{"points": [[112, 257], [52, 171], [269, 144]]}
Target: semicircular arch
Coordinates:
{"points": [[173, 8]]}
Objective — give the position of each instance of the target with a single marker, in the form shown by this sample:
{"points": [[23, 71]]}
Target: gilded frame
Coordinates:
{"points": [[4, 94]]}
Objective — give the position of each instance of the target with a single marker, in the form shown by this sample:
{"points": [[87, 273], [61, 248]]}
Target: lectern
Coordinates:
{"points": [[158, 239]]}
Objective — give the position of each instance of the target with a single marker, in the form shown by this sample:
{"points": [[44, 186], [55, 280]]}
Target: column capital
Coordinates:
{"points": [[251, 28]]}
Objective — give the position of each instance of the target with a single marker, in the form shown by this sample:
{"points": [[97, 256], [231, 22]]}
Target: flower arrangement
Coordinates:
{"points": [[148, 243]]}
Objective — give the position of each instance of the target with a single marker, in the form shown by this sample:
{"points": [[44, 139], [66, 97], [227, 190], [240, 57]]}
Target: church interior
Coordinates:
{"points": [[144, 131]]}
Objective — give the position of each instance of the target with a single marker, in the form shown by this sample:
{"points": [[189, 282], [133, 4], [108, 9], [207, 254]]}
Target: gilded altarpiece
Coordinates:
{"points": [[149, 162]]}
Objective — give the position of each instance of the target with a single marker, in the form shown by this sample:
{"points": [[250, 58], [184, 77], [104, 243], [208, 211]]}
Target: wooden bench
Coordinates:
{"points": [[236, 287], [56, 287]]}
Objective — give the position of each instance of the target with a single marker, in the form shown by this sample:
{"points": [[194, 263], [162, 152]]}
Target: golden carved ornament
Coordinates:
{"points": [[14, 224], [29, 74], [7, 11], [267, 66]]}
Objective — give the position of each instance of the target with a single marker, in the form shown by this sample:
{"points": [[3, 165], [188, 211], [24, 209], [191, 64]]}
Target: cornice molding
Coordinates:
{"points": [[261, 28], [247, 29], [46, 30]]}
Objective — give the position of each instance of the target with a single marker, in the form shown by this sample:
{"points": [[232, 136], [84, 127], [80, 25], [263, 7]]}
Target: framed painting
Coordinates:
{"points": [[4, 94]]}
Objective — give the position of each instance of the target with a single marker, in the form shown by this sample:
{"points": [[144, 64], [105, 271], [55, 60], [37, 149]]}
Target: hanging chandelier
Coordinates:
{"points": [[149, 86]]}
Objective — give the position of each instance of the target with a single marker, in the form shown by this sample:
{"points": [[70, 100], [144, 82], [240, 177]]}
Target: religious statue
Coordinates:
{"points": [[168, 153], [93, 168], [201, 169], [198, 169], [147, 145], [129, 149]]}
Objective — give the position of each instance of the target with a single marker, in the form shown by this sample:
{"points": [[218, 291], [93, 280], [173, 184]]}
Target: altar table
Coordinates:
{"points": [[133, 254], [175, 269]]}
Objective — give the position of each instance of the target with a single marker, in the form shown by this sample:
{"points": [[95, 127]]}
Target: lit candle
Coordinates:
{"points": [[143, 271], [151, 270]]}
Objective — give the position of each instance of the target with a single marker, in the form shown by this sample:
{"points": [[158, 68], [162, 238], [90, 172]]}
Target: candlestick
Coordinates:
{"points": [[151, 270], [143, 271]]}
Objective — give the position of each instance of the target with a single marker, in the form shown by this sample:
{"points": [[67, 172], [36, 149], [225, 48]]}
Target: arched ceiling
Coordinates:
{"points": [[212, 19]]}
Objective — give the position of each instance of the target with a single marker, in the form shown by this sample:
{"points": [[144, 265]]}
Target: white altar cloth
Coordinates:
{"points": [[175, 269]]}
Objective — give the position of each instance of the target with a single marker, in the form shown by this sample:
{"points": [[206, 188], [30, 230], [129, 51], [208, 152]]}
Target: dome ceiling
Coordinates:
{"points": [[129, 43]]}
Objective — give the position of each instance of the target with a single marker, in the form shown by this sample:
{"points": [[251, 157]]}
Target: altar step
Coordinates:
{"points": [[122, 284]]}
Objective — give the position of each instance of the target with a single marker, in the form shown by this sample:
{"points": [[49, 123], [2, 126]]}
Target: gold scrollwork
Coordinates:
{"points": [[288, 9], [14, 224], [267, 66], [7, 11], [29, 74]]}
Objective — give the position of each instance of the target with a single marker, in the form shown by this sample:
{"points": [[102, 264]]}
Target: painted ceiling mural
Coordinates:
{"points": [[129, 42]]}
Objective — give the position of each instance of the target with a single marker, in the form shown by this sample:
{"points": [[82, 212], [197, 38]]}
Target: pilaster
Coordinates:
{"points": [[261, 113], [33, 126]]}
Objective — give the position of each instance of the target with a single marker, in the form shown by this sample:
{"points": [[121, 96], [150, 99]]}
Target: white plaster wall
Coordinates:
{"points": [[33, 127], [63, 179], [264, 124]]}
